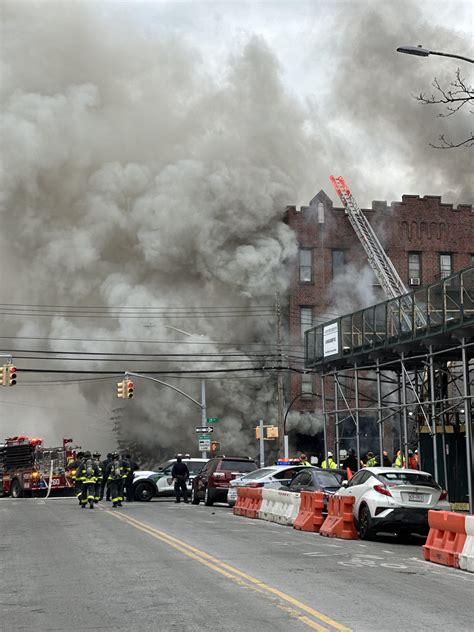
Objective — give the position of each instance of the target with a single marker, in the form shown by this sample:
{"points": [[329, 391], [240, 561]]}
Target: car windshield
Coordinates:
{"points": [[327, 479], [258, 473], [194, 467], [237, 466], [407, 478]]}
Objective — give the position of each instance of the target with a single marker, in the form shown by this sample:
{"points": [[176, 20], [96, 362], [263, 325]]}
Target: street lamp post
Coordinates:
{"points": [[285, 436], [203, 385], [419, 51]]}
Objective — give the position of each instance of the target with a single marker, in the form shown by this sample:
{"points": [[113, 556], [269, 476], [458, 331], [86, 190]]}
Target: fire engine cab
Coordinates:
{"points": [[29, 469]]}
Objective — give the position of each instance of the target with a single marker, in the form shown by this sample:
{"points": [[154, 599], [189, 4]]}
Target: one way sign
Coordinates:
{"points": [[204, 429]]}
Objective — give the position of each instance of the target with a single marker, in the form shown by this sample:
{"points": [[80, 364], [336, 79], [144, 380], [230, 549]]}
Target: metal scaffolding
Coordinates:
{"points": [[402, 369]]}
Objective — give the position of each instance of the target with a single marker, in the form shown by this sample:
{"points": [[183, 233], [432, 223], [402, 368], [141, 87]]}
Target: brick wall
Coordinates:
{"points": [[416, 224]]}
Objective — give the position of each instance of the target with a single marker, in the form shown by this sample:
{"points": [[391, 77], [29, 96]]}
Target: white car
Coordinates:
{"points": [[148, 485], [393, 500], [272, 477]]}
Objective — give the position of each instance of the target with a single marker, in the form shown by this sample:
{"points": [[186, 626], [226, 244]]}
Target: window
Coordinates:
{"points": [[414, 265], [237, 466], [358, 479], [320, 213], [306, 386], [286, 475], [306, 319], [445, 265], [306, 265], [338, 262]]}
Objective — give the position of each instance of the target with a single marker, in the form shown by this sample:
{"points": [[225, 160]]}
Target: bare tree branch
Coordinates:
{"points": [[459, 94]]}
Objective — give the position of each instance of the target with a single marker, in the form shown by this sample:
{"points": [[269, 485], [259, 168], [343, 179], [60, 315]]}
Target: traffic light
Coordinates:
{"points": [[215, 446], [125, 389], [8, 376], [121, 389]]}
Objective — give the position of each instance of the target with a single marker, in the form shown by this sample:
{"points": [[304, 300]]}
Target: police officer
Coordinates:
{"points": [[132, 467], [105, 487], [115, 475], [180, 475], [88, 473], [351, 461], [98, 485]]}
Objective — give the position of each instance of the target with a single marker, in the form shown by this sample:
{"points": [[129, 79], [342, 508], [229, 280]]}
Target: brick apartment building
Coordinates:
{"points": [[425, 239]]}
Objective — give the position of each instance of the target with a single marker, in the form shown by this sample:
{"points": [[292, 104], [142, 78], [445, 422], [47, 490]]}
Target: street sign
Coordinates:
{"points": [[204, 445], [204, 429], [204, 437], [212, 420]]}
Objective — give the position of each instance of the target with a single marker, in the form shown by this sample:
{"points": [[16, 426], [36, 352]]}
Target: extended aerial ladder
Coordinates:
{"points": [[379, 261], [383, 268]]}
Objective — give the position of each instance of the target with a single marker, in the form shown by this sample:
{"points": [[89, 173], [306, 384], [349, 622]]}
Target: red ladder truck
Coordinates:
{"points": [[29, 469]]}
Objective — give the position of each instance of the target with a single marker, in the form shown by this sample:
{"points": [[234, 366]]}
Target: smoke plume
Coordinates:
{"points": [[137, 173]]}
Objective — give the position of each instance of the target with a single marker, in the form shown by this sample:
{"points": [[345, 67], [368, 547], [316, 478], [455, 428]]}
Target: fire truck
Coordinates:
{"points": [[29, 469]]}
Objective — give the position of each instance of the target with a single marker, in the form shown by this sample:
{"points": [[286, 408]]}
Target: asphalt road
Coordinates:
{"points": [[159, 566]]}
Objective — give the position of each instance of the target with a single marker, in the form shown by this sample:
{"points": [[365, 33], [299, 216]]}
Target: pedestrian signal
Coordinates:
{"points": [[215, 446]]}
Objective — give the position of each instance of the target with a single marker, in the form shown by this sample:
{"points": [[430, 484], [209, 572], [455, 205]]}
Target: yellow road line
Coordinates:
{"points": [[234, 574]]}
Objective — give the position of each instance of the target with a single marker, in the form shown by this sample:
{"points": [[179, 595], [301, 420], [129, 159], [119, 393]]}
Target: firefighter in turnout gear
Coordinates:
{"points": [[105, 486], [73, 468], [116, 474], [98, 485], [88, 473]]}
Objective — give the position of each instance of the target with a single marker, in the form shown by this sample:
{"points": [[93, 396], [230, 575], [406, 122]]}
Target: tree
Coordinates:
{"points": [[457, 96]]}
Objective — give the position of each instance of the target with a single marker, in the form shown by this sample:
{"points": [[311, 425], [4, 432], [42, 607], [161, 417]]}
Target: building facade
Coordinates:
{"points": [[426, 240]]}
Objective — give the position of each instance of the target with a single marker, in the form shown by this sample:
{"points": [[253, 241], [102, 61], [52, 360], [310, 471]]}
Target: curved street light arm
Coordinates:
{"points": [[471, 61], [178, 390]]}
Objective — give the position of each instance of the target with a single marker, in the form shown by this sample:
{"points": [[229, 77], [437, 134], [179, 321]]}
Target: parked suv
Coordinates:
{"points": [[212, 482]]}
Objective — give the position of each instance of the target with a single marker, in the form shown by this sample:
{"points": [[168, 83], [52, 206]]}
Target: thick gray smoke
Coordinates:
{"points": [[134, 179], [133, 175]]}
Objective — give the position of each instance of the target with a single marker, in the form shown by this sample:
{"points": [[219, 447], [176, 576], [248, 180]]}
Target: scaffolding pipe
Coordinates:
{"points": [[433, 415], [323, 405], [379, 412], [467, 423], [336, 417], [357, 418], [405, 413]]}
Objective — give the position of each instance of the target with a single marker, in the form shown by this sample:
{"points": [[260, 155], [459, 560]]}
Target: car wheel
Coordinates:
{"points": [[194, 497], [208, 499], [16, 490], [144, 492], [366, 531]]}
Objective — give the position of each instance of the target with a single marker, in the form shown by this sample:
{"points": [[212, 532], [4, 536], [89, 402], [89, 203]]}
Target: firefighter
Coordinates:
{"points": [[98, 485], [132, 467], [329, 463], [73, 467], [115, 475], [105, 486], [89, 474]]}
